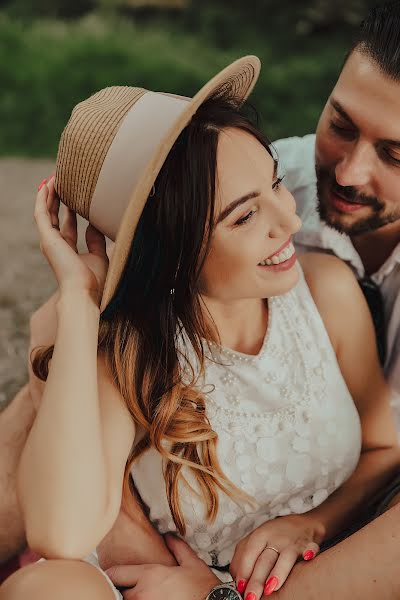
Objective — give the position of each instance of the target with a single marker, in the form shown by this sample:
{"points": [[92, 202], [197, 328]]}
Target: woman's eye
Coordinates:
{"points": [[246, 218], [277, 183], [344, 132]]}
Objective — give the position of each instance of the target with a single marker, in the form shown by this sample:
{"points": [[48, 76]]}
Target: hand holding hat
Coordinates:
{"points": [[60, 250]]}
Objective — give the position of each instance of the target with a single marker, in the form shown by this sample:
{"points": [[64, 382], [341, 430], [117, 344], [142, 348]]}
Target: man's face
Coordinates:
{"points": [[358, 150]]}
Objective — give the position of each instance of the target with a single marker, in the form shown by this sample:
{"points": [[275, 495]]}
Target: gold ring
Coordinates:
{"points": [[272, 548]]}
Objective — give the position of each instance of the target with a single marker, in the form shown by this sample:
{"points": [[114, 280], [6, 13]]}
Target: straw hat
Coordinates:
{"points": [[114, 146]]}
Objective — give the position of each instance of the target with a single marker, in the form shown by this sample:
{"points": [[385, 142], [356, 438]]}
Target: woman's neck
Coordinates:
{"points": [[241, 324]]}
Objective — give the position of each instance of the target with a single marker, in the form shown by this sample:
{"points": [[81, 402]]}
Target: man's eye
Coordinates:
{"points": [[344, 132], [394, 158], [246, 218]]}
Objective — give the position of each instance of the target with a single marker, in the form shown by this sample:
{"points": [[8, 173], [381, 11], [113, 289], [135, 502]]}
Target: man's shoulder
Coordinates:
{"points": [[296, 157], [295, 145]]}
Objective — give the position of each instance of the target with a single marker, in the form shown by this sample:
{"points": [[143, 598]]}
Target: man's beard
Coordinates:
{"points": [[326, 182]]}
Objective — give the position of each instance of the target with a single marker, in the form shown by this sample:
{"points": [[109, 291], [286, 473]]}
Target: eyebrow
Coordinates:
{"points": [[339, 108], [254, 194]]}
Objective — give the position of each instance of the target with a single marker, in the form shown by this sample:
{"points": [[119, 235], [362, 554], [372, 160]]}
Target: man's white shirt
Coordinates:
{"points": [[297, 161]]}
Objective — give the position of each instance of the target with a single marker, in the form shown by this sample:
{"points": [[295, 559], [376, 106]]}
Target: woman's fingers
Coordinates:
{"points": [[262, 568], [271, 570], [277, 577], [42, 217], [96, 241], [310, 551], [244, 559], [53, 202], [69, 228]]}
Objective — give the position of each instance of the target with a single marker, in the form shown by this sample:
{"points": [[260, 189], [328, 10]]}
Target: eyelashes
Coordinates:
{"points": [[246, 218], [276, 187], [342, 131], [277, 183]]}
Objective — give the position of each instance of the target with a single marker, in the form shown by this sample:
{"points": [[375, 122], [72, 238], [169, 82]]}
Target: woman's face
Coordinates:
{"points": [[254, 222]]}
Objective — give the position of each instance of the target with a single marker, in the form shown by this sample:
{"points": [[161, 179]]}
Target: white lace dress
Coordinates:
{"points": [[288, 431]]}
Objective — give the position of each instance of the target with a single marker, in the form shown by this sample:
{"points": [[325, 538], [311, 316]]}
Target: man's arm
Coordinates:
{"points": [[133, 540], [15, 423], [364, 565]]}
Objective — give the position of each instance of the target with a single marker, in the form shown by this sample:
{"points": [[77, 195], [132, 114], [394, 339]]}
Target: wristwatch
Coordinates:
{"points": [[224, 591]]}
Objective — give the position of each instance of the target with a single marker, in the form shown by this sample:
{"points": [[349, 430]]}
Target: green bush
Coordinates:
{"points": [[46, 67]]}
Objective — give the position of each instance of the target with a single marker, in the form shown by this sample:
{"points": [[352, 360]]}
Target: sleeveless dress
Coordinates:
{"points": [[288, 432]]}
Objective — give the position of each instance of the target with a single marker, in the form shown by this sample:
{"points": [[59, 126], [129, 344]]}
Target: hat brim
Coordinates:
{"points": [[239, 79]]}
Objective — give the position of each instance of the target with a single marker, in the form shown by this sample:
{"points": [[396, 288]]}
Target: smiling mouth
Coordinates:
{"points": [[279, 257]]}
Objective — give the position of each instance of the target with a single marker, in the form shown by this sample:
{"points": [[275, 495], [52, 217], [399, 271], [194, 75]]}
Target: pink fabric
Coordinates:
{"points": [[25, 558]]}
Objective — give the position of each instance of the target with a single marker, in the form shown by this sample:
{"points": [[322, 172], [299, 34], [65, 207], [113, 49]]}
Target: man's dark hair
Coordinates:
{"points": [[379, 38]]}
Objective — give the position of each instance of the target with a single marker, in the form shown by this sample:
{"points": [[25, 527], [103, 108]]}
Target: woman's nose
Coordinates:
{"points": [[286, 221]]}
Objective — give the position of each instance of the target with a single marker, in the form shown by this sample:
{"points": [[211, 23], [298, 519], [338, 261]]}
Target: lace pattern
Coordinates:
{"points": [[288, 432]]}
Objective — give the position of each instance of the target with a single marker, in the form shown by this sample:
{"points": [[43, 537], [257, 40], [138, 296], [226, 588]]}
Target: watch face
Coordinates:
{"points": [[224, 593]]}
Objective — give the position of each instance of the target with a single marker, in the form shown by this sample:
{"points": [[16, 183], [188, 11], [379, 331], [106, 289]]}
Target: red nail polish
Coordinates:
{"points": [[41, 184], [309, 555], [251, 596], [271, 586], [241, 586]]}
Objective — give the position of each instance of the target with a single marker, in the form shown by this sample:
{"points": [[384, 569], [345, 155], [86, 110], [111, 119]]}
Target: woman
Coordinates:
{"points": [[205, 355]]}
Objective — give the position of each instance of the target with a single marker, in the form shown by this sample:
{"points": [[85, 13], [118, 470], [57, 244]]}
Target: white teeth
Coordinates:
{"points": [[281, 257]]}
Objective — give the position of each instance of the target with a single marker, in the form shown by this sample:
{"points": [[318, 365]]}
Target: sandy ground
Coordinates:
{"points": [[26, 279]]}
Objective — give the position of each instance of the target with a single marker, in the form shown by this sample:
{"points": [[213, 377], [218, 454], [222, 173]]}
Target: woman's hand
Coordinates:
{"points": [[60, 247], [191, 579], [258, 569]]}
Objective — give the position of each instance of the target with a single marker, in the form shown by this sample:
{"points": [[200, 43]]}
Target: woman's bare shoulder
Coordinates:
{"points": [[335, 291], [328, 277]]}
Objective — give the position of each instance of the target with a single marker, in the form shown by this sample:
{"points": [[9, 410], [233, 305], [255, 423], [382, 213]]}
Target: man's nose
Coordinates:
{"points": [[356, 165]]}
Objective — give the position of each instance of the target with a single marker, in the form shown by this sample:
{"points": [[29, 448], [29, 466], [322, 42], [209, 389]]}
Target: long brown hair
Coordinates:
{"points": [[157, 300]]}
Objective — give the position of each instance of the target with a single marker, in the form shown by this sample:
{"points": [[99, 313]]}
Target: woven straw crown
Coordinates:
{"points": [[114, 146]]}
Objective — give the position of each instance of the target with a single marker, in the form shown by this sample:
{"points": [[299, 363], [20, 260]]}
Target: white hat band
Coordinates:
{"points": [[151, 118]]}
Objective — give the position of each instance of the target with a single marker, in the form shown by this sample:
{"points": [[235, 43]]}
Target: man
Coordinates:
{"points": [[358, 177], [346, 178]]}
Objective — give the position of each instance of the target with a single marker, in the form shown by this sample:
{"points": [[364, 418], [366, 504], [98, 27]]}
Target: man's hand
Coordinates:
{"points": [[191, 579], [133, 541]]}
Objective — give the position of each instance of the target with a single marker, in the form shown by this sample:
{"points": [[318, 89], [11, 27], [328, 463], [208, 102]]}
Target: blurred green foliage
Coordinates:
{"points": [[54, 53]]}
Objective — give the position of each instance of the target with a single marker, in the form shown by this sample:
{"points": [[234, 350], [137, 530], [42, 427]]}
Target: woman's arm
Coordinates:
{"points": [[132, 539], [71, 470], [349, 325]]}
